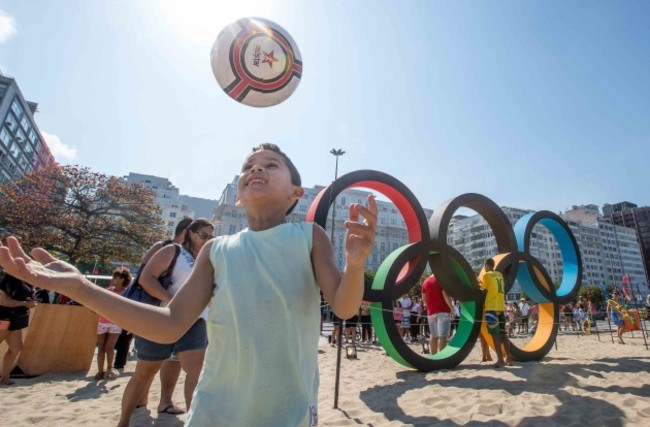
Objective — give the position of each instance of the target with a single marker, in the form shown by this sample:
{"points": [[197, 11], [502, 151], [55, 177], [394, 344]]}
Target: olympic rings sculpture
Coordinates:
{"points": [[401, 270]]}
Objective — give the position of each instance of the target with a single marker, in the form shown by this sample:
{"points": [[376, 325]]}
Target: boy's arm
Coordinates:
{"points": [[345, 292], [45, 271]]}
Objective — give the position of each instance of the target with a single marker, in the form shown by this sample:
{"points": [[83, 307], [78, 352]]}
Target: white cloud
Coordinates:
{"points": [[61, 152], [7, 26]]}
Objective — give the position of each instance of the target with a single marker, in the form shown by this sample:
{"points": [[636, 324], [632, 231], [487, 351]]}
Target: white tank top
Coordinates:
{"points": [[180, 273]]}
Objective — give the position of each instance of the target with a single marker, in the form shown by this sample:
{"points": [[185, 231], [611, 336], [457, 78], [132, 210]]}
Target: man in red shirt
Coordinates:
{"points": [[438, 313]]}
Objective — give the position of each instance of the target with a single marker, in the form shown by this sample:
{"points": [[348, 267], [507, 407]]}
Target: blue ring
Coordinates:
{"points": [[571, 265]]}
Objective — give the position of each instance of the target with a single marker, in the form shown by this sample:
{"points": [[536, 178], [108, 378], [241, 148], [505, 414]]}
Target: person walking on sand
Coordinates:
{"points": [[615, 310], [190, 347], [493, 283], [171, 368]]}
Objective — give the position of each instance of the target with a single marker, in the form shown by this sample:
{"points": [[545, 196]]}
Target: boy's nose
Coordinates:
{"points": [[257, 168]]}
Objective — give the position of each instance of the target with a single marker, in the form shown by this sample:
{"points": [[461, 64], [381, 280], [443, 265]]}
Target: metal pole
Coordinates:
{"points": [[339, 338], [609, 324], [336, 175], [339, 347], [643, 331]]}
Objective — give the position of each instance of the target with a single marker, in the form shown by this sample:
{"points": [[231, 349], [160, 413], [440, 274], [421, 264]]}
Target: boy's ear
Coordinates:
{"points": [[298, 191], [237, 201]]}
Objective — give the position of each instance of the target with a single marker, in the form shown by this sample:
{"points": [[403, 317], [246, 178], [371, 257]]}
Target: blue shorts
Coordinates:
{"points": [[196, 338]]}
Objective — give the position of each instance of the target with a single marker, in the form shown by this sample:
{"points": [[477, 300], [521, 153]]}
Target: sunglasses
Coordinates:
{"points": [[203, 235]]}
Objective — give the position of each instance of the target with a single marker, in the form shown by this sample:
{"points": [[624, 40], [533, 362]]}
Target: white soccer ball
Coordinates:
{"points": [[256, 62]]}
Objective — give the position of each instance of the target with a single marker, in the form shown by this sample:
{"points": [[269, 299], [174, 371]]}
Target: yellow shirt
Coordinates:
{"points": [[492, 282]]}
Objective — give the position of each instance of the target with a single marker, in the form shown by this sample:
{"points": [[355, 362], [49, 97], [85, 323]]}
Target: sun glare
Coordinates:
{"points": [[201, 20]]}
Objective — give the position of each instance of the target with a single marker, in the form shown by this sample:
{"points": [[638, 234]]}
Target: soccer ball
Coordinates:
{"points": [[256, 62]]}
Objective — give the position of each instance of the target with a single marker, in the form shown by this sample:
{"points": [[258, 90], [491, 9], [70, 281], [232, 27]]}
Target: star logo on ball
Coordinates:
{"points": [[269, 58]]}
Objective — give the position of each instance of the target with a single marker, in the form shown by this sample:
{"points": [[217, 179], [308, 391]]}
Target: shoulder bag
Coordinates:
{"points": [[136, 292]]}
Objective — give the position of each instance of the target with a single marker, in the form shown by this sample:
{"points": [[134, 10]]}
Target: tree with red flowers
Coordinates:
{"points": [[83, 215]]}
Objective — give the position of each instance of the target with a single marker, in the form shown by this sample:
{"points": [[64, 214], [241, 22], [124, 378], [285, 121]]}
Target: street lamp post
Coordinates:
{"points": [[336, 154], [339, 337]]}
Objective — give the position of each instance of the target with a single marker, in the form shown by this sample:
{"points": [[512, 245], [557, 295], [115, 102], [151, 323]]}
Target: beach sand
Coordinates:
{"points": [[583, 381]]}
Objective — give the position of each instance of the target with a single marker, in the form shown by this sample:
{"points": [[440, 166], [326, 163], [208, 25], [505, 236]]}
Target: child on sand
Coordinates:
{"points": [[107, 331], [259, 369]]}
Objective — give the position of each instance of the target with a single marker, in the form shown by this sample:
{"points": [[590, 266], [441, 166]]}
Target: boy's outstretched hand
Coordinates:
{"points": [[41, 270], [360, 234]]}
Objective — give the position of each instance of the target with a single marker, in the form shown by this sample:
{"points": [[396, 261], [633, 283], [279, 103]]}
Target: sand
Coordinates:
{"points": [[583, 381]]}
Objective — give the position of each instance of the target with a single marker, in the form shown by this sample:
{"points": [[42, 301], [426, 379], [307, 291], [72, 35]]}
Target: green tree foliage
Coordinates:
{"points": [[592, 293], [368, 277], [81, 214]]}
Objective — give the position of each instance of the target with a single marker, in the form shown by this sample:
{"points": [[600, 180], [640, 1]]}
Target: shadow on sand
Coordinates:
{"points": [[535, 377]]}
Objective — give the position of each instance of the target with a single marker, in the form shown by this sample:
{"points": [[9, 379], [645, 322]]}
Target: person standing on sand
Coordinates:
{"points": [[614, 308], [493, 284], [438, 306], [248, 355], [16, 298], [108, 332]]}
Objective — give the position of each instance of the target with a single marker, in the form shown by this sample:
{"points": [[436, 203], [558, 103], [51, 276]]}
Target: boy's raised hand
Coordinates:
{"points": [[43, 270], [360, 234]]}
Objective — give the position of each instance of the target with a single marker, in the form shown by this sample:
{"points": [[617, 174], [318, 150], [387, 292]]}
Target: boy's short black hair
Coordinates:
{"points": [[489, 263], [295, 175]]}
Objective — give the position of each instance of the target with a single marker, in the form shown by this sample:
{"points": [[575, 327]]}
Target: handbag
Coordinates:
{"points": [[136, 292]]}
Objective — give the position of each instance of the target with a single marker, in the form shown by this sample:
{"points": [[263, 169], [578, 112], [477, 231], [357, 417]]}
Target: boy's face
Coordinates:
{"points": [[266, 177]]}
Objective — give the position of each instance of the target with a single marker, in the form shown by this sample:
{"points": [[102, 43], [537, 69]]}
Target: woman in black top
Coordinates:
{"points": [[16, 298]]}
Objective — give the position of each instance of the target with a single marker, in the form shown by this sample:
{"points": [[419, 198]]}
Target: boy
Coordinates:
{"points": [[258, 370]]}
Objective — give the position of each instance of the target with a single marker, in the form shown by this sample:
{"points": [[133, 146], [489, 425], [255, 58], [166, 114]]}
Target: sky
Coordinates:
{"points": [[535, 104]]}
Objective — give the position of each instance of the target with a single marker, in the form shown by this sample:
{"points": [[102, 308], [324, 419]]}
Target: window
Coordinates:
{"points": [[24, 163], [20, 137], [5, 137], [16, 108], [172, 214], [232, 229], [11, 123], [15, 152], [32, 135], [25, 124]]}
